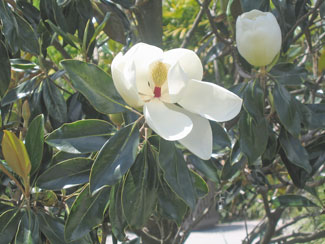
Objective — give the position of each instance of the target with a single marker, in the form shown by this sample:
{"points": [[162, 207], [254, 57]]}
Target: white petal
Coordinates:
{"points": [[210, 101], [143, 55], [199, 141], [125, 81], [169, 124], [175, 85], [189, 61]]}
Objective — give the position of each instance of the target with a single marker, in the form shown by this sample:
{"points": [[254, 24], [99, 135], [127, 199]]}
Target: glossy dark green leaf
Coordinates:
{"points": [[34, 142], [54, 101], [95, 84], [117, 25], [289, 74], [116, 215], [248, 5], [21, 91], [312, 115], [9, 221], [271, 149], [5, 69], [253, 136], [292, 201], [286, 109], [62, 156], [115, 158], [254, 100], [229, 169], [66, 174], [170, 205], [206, 167], [18, 31], [295, 152], [68, 38], [139, 192], [200, 185], [125, 3], [86, 212], [298, 175], [176, 173], [53, 228], [220, 137], [82, 136], [22, 64], [28, 229]]}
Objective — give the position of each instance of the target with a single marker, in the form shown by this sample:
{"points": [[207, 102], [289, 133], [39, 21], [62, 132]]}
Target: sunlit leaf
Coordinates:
{"points": [[15, 154]]}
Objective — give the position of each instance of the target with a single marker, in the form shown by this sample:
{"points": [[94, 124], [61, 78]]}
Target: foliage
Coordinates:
{"points": [[78, 164]]}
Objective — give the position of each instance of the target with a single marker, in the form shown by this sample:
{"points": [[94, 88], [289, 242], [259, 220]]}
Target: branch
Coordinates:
{"points": [[302, 18], [300, 237], [196, 22]]}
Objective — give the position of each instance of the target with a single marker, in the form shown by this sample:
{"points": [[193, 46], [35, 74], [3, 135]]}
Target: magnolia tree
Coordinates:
{"points": [[148, 116]]}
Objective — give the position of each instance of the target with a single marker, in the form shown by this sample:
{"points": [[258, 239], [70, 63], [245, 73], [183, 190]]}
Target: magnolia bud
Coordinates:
{"points": [[258, 37]]}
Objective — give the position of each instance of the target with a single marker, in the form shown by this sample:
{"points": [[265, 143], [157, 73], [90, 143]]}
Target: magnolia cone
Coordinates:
{"points": [[258, 37]]}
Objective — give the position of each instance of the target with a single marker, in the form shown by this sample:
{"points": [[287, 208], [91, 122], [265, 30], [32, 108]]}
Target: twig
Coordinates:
{"points": [[300, 237], [302, 18], [196, 22]]}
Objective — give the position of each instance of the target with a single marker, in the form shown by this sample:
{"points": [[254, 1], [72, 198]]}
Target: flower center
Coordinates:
{"points": [[159, 73]]}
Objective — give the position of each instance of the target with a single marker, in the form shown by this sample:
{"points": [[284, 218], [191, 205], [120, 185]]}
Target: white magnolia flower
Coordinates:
{"points": [[258, 37], [176, 103]]}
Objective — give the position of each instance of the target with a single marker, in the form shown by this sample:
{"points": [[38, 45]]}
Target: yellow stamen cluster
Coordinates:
{"points": [[159, 73]]}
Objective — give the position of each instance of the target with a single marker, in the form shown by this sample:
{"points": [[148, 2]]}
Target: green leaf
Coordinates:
{"points": [[21, 91], [292, 201], [18, 32], [248, 5], [28, 229], [116, 215], [22, 64], [53, 228], [5, 69], [254, 100], [86, 212], [206, 167], [62, 156], [229, 169], [115, 158], [66, 37], [253, 136], [34, 142], [139, 191], [289, 74], [95, 84], [54, 101], [312, 115], [220, 137], [176, 173], [200, 185], [9, 221], [15, 154], [286, 109], [66, 174], [171, 206], [82, 136], [99, 28], [295, 152]]}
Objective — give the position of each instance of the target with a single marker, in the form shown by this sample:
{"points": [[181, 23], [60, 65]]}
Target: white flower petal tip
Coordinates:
{"points": [[169, 124], [188, 60], [199, 140], [258, 37], [210, 101]]}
